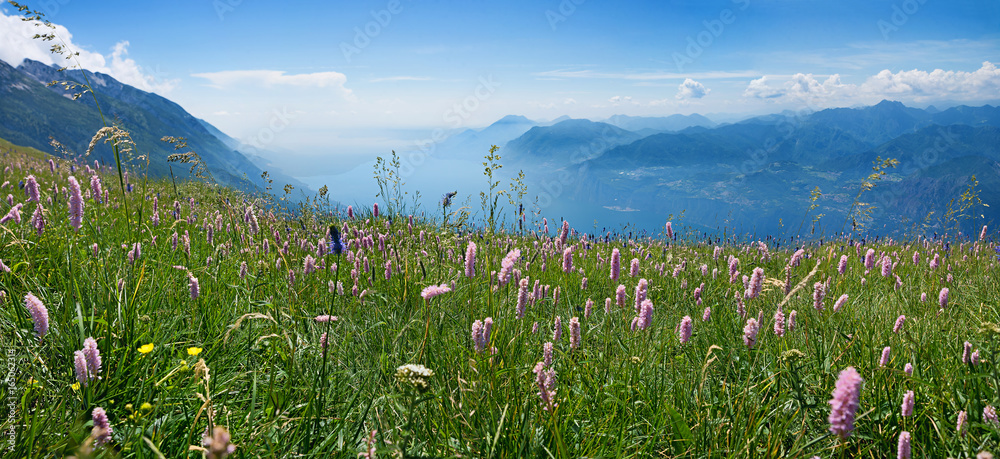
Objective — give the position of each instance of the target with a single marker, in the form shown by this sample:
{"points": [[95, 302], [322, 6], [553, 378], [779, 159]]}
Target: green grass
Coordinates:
{"points": [[623, 393]]}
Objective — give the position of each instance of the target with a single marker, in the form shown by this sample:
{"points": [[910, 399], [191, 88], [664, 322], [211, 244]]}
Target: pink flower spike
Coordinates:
{"points": [[845, 402]]}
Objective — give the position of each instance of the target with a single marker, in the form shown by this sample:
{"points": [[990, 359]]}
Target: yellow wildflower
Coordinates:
{"points": [[194, 350], [146, 348]]}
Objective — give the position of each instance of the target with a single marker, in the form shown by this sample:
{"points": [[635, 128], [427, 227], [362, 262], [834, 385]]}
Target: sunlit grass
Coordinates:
{"points": [[245, 353]]}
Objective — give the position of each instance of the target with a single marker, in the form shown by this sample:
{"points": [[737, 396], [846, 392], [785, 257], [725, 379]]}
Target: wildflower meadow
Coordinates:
{"points": [[173, 317], [149, 318]]}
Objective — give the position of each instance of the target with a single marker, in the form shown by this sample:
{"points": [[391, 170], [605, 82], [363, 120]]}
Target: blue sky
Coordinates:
{"points": [[304, 71]]}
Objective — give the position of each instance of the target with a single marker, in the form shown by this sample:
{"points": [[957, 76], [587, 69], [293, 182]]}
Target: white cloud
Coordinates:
{"points": [[909, 85], [569, 101], [691, 89], [270, 78], [17, 44], [759, 89], [401, 78], [982, 84], [618, 100], [643, 76]]}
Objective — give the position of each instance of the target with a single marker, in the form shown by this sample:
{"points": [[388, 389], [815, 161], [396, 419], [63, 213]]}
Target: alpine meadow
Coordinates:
{"points": [[811, 280]]}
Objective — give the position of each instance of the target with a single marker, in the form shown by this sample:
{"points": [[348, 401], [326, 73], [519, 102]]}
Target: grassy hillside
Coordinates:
{"points": [[209, 308]]}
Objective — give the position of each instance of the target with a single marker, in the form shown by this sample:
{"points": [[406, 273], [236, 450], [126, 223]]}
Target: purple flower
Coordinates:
{"points": [[522, 297], [908, 369], [685, 330], [478, 336], [326, 318], [616, 264], [13, 214], [546, 382], [840, 302], [75, 204], [845, 402], [634, 268], [886, 263], [756, 283], [750, 333], [842, 266], [470, 260], [819, 292], [93, 356], [80, 368], [194, 286], [906, 409], [95, 188], [375, 210], [557, 329], [707, 315], [869, 259], [432, 291], [38, 219], [670, 230], [966, 352], [547, 353], [39, 314], [567, 260], [588, 309], [102, 428], [620, 296], [791, 319], [645, 317], [899, 324], [574, 333], [963, 423], [884, 360], [779, 322], [990, 415], [218, 445], [943, 297], [32, 189], [903, 451]]}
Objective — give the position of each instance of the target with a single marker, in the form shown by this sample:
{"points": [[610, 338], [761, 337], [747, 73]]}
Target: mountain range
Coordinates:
{"points": [[759, 172], [32, 112], [757, 175]]}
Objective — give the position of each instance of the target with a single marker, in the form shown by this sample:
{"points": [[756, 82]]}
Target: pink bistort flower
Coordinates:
{"points": [[845, 402]]}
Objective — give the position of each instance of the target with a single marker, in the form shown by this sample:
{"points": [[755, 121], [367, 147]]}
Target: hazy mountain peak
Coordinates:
{"points": [[513, 119]]}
